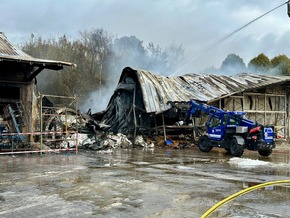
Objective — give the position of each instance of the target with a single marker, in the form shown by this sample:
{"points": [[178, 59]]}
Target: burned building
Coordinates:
{"points": [[144, 102], [18, 93]]}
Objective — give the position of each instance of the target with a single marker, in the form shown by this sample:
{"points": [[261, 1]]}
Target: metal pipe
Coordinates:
{"points": [[41, 123]]}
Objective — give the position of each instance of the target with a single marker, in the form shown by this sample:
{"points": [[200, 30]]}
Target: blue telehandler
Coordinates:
{"points": [[232, 131]]}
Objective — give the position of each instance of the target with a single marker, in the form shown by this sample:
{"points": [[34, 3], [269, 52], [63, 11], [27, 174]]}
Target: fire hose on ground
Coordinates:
{"points": [[244, 191]]}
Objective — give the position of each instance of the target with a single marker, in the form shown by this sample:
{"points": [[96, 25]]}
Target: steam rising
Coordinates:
{"points": [[132, 52], [98, 100]]}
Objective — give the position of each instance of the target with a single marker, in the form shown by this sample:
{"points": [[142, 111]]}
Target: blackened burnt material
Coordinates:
{"points": [[121, 114]]}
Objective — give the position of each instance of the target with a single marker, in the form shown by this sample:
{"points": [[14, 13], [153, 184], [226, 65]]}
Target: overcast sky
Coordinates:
{"points": [[196, 24]]}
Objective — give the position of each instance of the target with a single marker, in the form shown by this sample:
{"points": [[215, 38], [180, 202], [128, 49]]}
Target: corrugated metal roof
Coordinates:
{"points": [[158, 90], [10, 52], [7, 48]]}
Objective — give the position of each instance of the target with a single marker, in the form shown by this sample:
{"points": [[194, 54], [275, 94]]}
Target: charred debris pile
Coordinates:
{"points": [[118, 127]]}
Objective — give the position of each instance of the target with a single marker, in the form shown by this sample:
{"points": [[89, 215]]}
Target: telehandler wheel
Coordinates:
{"points": [[204, 144], [236, 149], [265, 153], [228, 150]]}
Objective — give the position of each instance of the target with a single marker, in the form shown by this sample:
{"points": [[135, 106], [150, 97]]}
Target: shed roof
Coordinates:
{"points": [[10, 52], [157, 90]]}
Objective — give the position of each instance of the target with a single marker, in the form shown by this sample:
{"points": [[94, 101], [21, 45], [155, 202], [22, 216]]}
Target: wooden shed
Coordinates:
{"points": [[18, 91]]}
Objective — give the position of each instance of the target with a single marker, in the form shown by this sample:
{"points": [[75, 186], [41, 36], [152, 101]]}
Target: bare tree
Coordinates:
{"points": [[100, 59], [97, 42]]}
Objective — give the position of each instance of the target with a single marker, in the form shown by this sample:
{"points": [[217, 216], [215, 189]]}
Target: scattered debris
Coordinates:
{"points": [[140, 142], [116, 141]]}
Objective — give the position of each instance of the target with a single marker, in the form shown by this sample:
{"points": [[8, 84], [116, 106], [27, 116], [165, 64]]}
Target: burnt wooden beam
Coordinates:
{"points": [[288, 8], [34, 73]]}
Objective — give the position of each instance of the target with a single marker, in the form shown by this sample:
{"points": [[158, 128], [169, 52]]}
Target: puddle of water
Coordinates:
{"points": [[134, 183]]}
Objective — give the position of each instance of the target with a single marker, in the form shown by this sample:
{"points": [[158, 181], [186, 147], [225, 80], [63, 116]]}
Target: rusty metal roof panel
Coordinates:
{"points": [[157, 90], [7, 48], [10, 52]]}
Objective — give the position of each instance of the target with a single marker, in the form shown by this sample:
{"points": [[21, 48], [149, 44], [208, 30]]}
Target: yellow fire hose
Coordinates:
{"points": [[219, 204]]}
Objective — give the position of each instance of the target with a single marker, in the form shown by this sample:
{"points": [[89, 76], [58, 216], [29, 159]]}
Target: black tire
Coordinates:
{"points": [[228, 150], [204, 144], [237, 150], [265, 153]]}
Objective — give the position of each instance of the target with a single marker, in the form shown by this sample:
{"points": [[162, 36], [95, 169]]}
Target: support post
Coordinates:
{"points": [[41, 123], [194, 128], [134, 114], [77, 127], [155, 123], [164, 131]]}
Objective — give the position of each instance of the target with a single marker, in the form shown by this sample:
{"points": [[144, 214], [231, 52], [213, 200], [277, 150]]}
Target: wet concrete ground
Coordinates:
{"points": [[162, 182]]}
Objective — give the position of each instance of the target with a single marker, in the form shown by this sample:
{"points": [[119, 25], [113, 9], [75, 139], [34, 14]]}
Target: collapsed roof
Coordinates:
{"points": [[140, 92], [157, 90], [11, 55]]}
